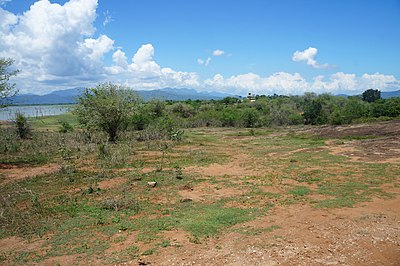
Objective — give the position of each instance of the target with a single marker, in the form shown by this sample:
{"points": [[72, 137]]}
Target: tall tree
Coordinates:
{"points": [[7, 89], [371, 95]]}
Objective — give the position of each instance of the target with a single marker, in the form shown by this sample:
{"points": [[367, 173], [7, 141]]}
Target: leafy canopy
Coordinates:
{"points": [[7, 89], [107, 107]]}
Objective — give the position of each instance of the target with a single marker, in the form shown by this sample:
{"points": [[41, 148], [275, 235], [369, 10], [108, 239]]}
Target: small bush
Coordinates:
{"points": [[66, 127], [117, 204], [22, 126]]}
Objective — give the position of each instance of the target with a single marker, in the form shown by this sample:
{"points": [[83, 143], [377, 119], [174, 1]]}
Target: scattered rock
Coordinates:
{"points": [[152, 184]]}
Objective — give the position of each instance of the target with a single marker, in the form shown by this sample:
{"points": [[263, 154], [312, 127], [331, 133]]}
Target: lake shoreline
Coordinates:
{"points": [[34, 111]]}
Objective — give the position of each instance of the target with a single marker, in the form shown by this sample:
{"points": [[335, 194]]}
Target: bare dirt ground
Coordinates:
{"points": [[14, 173], [384, 148], [367, 234]]}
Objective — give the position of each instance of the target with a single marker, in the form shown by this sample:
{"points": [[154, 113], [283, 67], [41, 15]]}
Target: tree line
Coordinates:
{"points": [[113, 108]]}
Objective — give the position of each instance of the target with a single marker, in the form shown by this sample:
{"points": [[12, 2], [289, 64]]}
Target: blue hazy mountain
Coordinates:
{"points": [[384, 95], [69, 96], [390, 94]]}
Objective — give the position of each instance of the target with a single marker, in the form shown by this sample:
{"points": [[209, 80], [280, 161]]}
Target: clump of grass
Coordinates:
{"points": [[347, 194], [66, 127], [123, 203], [209, 220], [300, 191]]}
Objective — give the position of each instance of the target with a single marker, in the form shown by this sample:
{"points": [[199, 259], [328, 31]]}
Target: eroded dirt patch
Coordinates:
{"points": [[380, 150], [14, 173], [389, 128], [376, 142], [301, 235], [206, 192]]}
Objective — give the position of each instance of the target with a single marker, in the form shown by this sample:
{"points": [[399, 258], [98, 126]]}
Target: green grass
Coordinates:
{"points": [[53, 122], [209, 220], [347, 194], [300, 191]]}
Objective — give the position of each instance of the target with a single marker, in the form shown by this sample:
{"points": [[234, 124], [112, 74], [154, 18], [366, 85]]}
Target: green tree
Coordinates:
{"points": [[7, 89], [371, 95], [107, 107]]}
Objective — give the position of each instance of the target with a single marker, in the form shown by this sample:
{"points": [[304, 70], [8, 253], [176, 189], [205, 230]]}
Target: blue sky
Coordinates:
{"points": [[262, 46]]}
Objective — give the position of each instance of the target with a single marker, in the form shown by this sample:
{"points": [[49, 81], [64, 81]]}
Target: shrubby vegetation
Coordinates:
{"points": [[265, 111]]}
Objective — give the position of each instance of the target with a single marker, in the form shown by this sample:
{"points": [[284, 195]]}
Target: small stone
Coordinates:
{"points": [[151, 184]]}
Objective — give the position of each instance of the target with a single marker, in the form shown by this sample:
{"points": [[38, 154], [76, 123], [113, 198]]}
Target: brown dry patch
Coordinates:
{"points": [[14, 173], [380, 150], [239, 166], [384, 148], [129, 241], [67, 260], [389, 128], [17, 245], [207, 192], [111, 183], [221, 170], [177, 237], [366, 235]]}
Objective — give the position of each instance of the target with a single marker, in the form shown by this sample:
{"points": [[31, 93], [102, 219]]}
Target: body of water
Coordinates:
{"points": [[8, 113]]}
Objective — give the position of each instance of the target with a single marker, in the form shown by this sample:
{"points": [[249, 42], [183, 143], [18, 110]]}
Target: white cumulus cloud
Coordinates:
{"points": [[56, 47], [308, 56], [54, 43], [143, 72]]}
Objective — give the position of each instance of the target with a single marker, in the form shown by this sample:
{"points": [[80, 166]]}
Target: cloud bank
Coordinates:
{"points": [[57, 46], [295, 84]]}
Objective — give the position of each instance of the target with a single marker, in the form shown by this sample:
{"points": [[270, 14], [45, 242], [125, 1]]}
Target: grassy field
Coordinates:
{"points": [[95, 204]]}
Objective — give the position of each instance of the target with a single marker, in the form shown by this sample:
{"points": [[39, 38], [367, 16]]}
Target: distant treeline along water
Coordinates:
{"points": [[8, 113]]}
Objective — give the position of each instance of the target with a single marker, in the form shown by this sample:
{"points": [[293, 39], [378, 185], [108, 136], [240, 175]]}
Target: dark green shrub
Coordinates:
{"points": [[22, 126], [250, 118], [229, 117], [66, 127], [140, 121]]}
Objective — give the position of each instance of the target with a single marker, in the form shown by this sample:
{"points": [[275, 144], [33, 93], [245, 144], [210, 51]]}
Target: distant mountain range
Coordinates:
{"points": [[390, 94], [69, 96]]}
